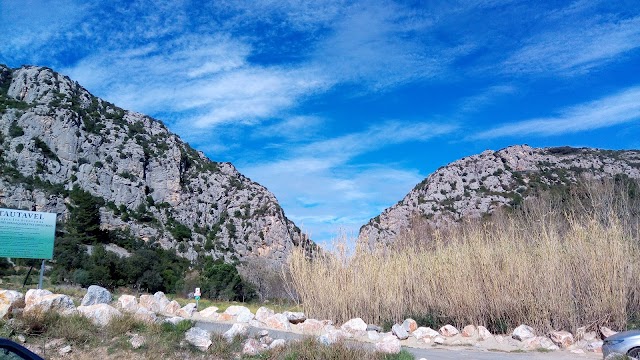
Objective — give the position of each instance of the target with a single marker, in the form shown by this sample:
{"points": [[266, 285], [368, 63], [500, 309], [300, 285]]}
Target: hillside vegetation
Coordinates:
{"points": [[559, 261]]}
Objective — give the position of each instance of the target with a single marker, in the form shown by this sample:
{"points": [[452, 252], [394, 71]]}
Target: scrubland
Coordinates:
{"points": [[560, 261]]}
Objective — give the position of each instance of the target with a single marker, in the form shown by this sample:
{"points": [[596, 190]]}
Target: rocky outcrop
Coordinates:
{"points": [[55, 135], [476, 186]]}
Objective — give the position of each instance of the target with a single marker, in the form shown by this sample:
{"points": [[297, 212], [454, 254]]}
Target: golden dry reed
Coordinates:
{"points": [[561, 262]]}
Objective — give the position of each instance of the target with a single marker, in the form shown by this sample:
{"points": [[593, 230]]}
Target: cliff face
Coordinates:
{"points": [[54, 135], [477, 185]]}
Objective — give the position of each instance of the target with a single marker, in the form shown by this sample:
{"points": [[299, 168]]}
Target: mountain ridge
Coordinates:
{"points": [[55, 135], [476, 185]]}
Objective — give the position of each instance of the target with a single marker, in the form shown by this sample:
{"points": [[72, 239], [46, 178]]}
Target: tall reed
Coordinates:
{"points": [[558, 263]]}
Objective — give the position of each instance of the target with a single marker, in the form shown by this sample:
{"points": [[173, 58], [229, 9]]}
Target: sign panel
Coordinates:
{"points": [[197, 292], [27, 234]]}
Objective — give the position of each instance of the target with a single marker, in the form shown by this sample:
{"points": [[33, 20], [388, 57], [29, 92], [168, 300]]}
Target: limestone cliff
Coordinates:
{"points": [[475, 186], [54, 135]]}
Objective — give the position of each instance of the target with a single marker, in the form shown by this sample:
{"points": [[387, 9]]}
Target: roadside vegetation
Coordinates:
{"points": [[559, 262], [162, 341]]}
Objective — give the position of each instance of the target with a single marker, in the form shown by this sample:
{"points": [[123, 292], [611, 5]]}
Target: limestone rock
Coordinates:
{"points": [[7, 300], [277, 343], [563, 339], [523, 332], [263, 313], [237, 329], [199, 338], [128, 303], [137, 341], [449, 331], [469, 331], [484, 333], [423, 332], [34, 295], [251, 347], [331, 336], [186, 311], [410, 325], [171, 308], [295, 317], [64, 350], [354, 325], [235, 310], [211, 312], [388, 345], [539, 342], [96, 295], [99, 314], [174, 320], [400, 332], [145, 315], [311, 326], [43, 300], [279, 322]]}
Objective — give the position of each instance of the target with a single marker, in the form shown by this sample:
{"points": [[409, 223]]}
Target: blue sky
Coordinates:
{"points": [[341, 107]]}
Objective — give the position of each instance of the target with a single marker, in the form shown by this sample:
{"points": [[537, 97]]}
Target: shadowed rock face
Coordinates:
{"points": [[54, 134], [477, 185]]}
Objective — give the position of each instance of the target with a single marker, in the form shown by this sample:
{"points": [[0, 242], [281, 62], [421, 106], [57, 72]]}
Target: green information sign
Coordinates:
{"points": [[27, 234]]}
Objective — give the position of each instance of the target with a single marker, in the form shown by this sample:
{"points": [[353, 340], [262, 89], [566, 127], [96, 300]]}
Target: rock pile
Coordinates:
{"points": [[157, 307]]}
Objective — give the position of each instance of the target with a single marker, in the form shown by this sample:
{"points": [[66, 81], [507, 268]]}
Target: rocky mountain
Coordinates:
{"points": [[475, 186], [55, 135]]}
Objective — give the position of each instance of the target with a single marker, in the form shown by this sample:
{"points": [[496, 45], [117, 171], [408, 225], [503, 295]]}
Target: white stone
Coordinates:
{"points": [[235, 330], [423, 332], [199, 338], [539, 342], [279, 322], [50, 302], [484, 333], [373, 335], [469, 331], [145, 315], [332, 336], [137, 341], [523, 332], [354, 325], [295, 317], [128, 303], [186, 311], [400, 332], [388, 345], [563, 339], [410, 325], [211, 311], [174, 320], [277, 343], [7, 300], [64, 350], [263, 314], [438, 340], [171, 308], [595, 346], [96, 295], [245, 317], [99, 314], [449, 331], [252, 347], [235, 310]]}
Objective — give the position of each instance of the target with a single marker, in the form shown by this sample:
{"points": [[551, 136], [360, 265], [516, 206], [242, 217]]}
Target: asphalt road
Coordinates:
{"points": [[449, 353]]}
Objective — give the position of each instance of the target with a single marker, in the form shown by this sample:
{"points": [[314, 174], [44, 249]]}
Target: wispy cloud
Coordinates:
{"points": [[568, 50], [620, 108]]}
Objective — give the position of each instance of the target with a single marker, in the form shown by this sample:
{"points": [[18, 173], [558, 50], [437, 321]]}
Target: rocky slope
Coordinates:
{"points": [[54, 135], [475, 186]]}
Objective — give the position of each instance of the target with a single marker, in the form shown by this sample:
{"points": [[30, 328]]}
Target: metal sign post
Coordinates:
{"points": [[196, 295]]}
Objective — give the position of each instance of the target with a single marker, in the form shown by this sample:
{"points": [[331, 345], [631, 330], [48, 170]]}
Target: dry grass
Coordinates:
{"points": [[554, 265]]}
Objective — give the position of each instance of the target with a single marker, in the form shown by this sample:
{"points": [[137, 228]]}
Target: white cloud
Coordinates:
{"points": [[576, 48], [619, 108], [324, 192]]}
